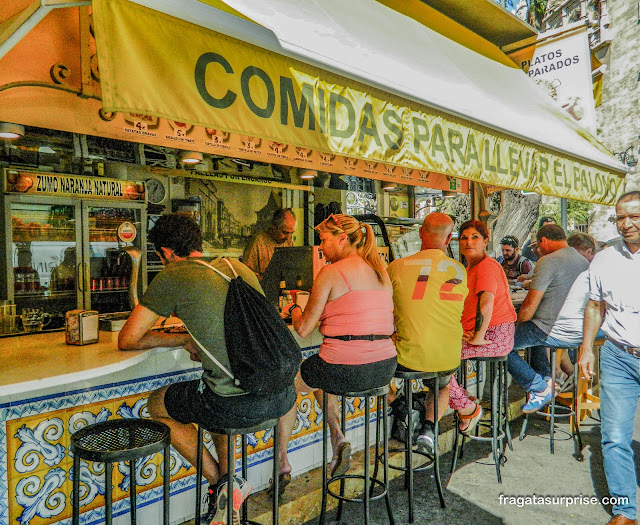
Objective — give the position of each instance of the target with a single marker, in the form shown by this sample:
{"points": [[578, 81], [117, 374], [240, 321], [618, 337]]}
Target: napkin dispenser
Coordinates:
{"points": [[81, 327]]}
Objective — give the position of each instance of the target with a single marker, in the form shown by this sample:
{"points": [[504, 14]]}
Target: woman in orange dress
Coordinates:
{"points": [[488, 316]]}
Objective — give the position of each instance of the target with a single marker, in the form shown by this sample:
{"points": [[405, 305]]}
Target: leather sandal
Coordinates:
{"points": [[284, 478], [471, 420], [341, 460]]}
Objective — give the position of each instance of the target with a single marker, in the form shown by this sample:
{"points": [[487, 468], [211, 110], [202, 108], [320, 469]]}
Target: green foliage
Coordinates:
{"points": [[578, 212], [537, 11], [459, 207], [538, 7]]}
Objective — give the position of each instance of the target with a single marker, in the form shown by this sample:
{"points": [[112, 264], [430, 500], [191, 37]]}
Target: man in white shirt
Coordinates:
{"points": [[614, 304]]}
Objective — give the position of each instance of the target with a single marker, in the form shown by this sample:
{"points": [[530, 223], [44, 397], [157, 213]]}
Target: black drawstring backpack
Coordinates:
{"points": [[263, 354]]}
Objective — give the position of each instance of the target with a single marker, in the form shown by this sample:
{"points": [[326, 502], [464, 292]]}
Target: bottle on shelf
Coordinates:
{"points": [[283, 297], [18, 279]]}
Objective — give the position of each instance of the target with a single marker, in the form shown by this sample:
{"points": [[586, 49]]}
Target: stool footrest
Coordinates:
{"points": [[420, 468], [367, 487]]}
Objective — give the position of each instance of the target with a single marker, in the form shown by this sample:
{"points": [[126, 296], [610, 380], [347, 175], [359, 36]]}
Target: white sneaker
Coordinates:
{"points": [[426, 439], [537, 400]]}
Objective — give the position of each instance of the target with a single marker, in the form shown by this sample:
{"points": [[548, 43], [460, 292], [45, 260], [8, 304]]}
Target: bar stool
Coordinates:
{"points": [[231, 433], [120, 440], [588, 389], [380, 393], [570, 411], [433, 461], [499, 421]]}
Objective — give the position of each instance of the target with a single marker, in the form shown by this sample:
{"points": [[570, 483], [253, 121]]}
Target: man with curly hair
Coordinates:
{"points": [[196, 294]]}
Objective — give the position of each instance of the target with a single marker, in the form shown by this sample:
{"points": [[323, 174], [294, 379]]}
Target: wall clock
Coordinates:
{"points": [[156, 191]]}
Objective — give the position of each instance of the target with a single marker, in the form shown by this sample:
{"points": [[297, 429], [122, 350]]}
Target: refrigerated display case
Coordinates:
{"points": [[71, 251]]}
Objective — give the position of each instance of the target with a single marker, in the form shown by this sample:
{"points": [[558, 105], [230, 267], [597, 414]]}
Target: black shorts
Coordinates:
{"points": [[317, 373], [194, 402], [443, 377]]}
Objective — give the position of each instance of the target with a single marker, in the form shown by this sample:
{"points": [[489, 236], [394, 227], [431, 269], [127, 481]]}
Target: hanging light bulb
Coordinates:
{"points": [[191, 157], [11, 131]]}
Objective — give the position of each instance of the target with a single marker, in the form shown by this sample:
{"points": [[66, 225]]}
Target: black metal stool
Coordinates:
{"points": [[380, 393], [565, 411], [119, 440], [499, 421], [231, 433], [433, 461]]}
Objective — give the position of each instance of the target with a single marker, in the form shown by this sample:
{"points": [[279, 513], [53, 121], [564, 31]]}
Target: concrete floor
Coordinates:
{"points": [[473, 495]]}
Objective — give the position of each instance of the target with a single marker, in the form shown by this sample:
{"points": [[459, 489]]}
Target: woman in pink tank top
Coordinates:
{"points": [[352, 299]]}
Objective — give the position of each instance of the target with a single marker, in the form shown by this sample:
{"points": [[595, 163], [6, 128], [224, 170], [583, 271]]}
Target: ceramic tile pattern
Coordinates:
{"points": [[36, 465]]}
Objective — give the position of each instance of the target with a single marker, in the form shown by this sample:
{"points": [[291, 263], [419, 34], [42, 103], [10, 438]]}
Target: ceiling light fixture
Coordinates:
{"points": [[11, 131], [447, 194], [191, 157], [308, 174], [389, 186]]}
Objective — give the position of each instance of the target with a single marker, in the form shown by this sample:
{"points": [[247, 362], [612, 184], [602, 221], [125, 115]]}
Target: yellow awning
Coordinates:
{"points": [[351, 79]]}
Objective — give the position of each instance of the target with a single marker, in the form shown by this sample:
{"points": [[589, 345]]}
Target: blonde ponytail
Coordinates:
{"points": [[363, 242], [370, 253]]}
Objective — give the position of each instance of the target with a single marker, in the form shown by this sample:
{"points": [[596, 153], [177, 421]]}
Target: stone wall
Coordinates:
{"points": [[618, 117]]}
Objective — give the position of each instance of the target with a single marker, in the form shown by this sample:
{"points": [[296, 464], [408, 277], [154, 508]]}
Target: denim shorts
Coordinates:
{"points": [[194, 402]]}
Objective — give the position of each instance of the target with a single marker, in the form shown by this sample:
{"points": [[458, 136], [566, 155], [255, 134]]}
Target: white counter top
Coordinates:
{"points": [[36, 361]]}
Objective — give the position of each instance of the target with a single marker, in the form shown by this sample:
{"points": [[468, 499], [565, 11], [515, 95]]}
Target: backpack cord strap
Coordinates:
{"points": [[216, 270], [235, 274], [210, 356], [200, 345]]}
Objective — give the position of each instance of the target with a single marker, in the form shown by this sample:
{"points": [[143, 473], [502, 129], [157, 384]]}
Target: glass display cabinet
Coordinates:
{"points": [[68, 252]]}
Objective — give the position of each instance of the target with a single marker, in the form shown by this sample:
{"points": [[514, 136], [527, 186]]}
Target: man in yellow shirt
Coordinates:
{"points": [[429, 289]]}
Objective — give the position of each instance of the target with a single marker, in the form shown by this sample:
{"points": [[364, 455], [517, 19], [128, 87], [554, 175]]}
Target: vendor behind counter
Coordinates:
{"points": [[259, 251]]}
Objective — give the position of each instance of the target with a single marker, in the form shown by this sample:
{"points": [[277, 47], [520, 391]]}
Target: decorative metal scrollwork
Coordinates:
{"points": [[107, 116], [628, 156], [60, 73], [95, 72]]}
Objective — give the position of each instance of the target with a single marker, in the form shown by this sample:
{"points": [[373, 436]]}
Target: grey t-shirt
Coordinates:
{"points": [[569, 323], [197, 295], [554, 274]]}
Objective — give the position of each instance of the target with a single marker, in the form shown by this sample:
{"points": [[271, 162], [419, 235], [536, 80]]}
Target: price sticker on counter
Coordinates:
{"points": [[127, 232]]}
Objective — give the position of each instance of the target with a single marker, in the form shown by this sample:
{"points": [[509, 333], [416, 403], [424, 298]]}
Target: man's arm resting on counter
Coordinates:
{"points": [[136, 334], [529, 306], [593, 317]]}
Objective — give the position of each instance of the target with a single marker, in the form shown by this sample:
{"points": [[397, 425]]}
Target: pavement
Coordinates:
{"points": [[473, 495]]}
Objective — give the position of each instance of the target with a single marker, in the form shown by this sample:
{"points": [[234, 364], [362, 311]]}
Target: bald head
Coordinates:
{"points": [[436, 231]]}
